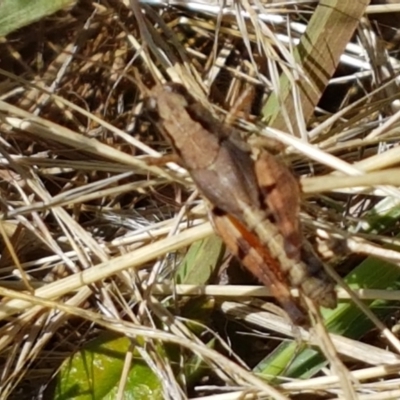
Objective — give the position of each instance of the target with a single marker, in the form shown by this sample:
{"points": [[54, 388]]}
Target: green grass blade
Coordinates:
{"points": [[201, 261], [15, 14]]}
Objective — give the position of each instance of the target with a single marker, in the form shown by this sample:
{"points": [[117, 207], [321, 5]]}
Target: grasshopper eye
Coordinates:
{"points": [[151, 108], [150, 103], [174, 87]]}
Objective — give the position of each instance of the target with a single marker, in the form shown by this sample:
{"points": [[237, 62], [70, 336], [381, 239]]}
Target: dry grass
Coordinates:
{"points": [[92, 232]]}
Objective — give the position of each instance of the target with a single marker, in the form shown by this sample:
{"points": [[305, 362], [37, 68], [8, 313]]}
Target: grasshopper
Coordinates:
{"points": [[255, 204]]}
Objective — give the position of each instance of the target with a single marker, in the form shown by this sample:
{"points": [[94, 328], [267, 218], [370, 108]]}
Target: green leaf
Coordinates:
{"points": [[94, 373]]}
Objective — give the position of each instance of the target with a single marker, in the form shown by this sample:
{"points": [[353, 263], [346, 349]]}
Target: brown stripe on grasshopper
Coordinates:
{"points": [[311, 280], [259, 262]]}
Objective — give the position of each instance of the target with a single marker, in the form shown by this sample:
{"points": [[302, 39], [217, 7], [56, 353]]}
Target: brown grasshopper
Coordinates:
{"points": [[255, 204]]}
